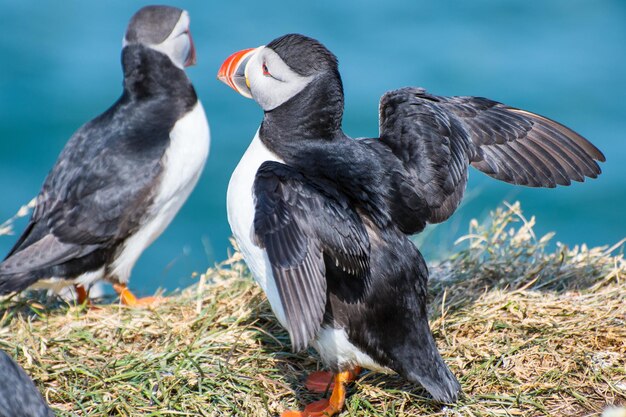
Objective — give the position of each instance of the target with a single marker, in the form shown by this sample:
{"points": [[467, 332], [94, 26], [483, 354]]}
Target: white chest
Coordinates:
{"points": [[332, 344], [183, 162], [240, 206], [184, 159]]}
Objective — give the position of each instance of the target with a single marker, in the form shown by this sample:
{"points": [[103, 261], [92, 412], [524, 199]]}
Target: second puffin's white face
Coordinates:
{"points": [[271, 81], [177, 46]]}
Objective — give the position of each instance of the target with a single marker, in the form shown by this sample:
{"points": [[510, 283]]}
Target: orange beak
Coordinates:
{"points": [[233, 72]]}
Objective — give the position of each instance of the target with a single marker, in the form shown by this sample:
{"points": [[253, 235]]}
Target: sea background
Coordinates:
{"points": [[565, 59]]}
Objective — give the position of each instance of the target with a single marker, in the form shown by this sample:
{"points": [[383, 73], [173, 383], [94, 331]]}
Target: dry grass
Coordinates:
{"points": [[529, 331]]}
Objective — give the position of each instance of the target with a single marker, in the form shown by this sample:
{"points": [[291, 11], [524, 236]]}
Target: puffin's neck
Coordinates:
{"points": [[314, 113], [149, 73]]}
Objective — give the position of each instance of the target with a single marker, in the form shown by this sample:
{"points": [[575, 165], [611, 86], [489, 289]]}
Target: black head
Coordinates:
{"points": [[296, 81], [152, 24], [164, 29], [315, 107], [304, 55]]}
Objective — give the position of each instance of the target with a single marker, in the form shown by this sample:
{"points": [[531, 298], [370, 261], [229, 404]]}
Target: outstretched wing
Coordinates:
{"points": [[96, 193], [303, 226], [436, 138]]}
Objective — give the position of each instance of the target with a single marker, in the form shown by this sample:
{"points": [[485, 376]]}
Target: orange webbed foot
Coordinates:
{"points": [[320, 408], [322, 381], [146, 301], [319, 381], [129, 299], [326, 407]]}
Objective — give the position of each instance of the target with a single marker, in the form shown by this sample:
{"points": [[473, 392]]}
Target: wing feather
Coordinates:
{"points": [[300, 223], [437, 138], [95, 195]]}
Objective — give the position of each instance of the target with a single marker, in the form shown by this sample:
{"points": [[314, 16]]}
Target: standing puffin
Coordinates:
{"points": [[123, 176], [323, 220], [18, 395]]}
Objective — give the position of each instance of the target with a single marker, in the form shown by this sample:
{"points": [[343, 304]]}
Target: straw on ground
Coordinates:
{"points": [[529, 331]]}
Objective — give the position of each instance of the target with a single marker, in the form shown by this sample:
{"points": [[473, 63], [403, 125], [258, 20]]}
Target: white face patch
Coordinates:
{"points": [[177, 45], [272, 82]]}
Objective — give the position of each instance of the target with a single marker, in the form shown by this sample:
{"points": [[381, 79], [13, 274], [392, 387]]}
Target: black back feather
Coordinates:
{"points": [[96, 194], [338, 211], [303, 226]]}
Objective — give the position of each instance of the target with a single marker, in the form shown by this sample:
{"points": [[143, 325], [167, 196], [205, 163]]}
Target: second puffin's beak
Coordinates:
{"points": [[233, 72]]}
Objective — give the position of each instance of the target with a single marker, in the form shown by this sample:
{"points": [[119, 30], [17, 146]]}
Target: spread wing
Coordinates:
{"points": [[95, 194], [437, 138], [303, 226]]}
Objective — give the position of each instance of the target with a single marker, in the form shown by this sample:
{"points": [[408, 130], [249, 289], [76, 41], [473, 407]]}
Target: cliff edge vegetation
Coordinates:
{"points": [[531, 328]]}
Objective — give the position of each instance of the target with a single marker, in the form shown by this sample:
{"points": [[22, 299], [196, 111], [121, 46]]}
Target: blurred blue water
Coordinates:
{"points": [[565, 59]]}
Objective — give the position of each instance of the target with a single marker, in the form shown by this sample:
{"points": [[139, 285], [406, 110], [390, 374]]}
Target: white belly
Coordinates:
{"points": [[332, 344], [182, 165], [240, 206], [337, 351]]}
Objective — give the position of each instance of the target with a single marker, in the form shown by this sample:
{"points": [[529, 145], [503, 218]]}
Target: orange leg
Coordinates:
{"points": [[82, 295], [129, 299], [331, 406], [322, 381]]}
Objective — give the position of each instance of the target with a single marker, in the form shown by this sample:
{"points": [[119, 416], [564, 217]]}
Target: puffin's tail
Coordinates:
{"points": [[15, 282], [426, 367], [18, 394]]}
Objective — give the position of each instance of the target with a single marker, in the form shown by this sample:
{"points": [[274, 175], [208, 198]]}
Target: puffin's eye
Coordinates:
{"points": [[266, 71]]}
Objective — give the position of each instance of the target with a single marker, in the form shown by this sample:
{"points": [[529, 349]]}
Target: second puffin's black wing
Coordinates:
{"points": [[18, 395], [303, 226], [95, 196], [436, 138]]}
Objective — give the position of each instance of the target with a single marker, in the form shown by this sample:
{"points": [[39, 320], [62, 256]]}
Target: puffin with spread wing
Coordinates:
{"points": [[323, 220]]}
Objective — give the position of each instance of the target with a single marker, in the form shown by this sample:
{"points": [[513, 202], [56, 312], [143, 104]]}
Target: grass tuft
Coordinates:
{"points": [[530, 329]]}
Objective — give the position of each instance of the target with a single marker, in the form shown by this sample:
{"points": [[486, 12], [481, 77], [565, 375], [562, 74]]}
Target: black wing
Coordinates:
{"points": [[302, 225], [94, 195], [18, 395], [436, 138]]}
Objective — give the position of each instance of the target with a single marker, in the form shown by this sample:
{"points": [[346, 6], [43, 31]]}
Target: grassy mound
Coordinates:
{"points": [[528, 330]]}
